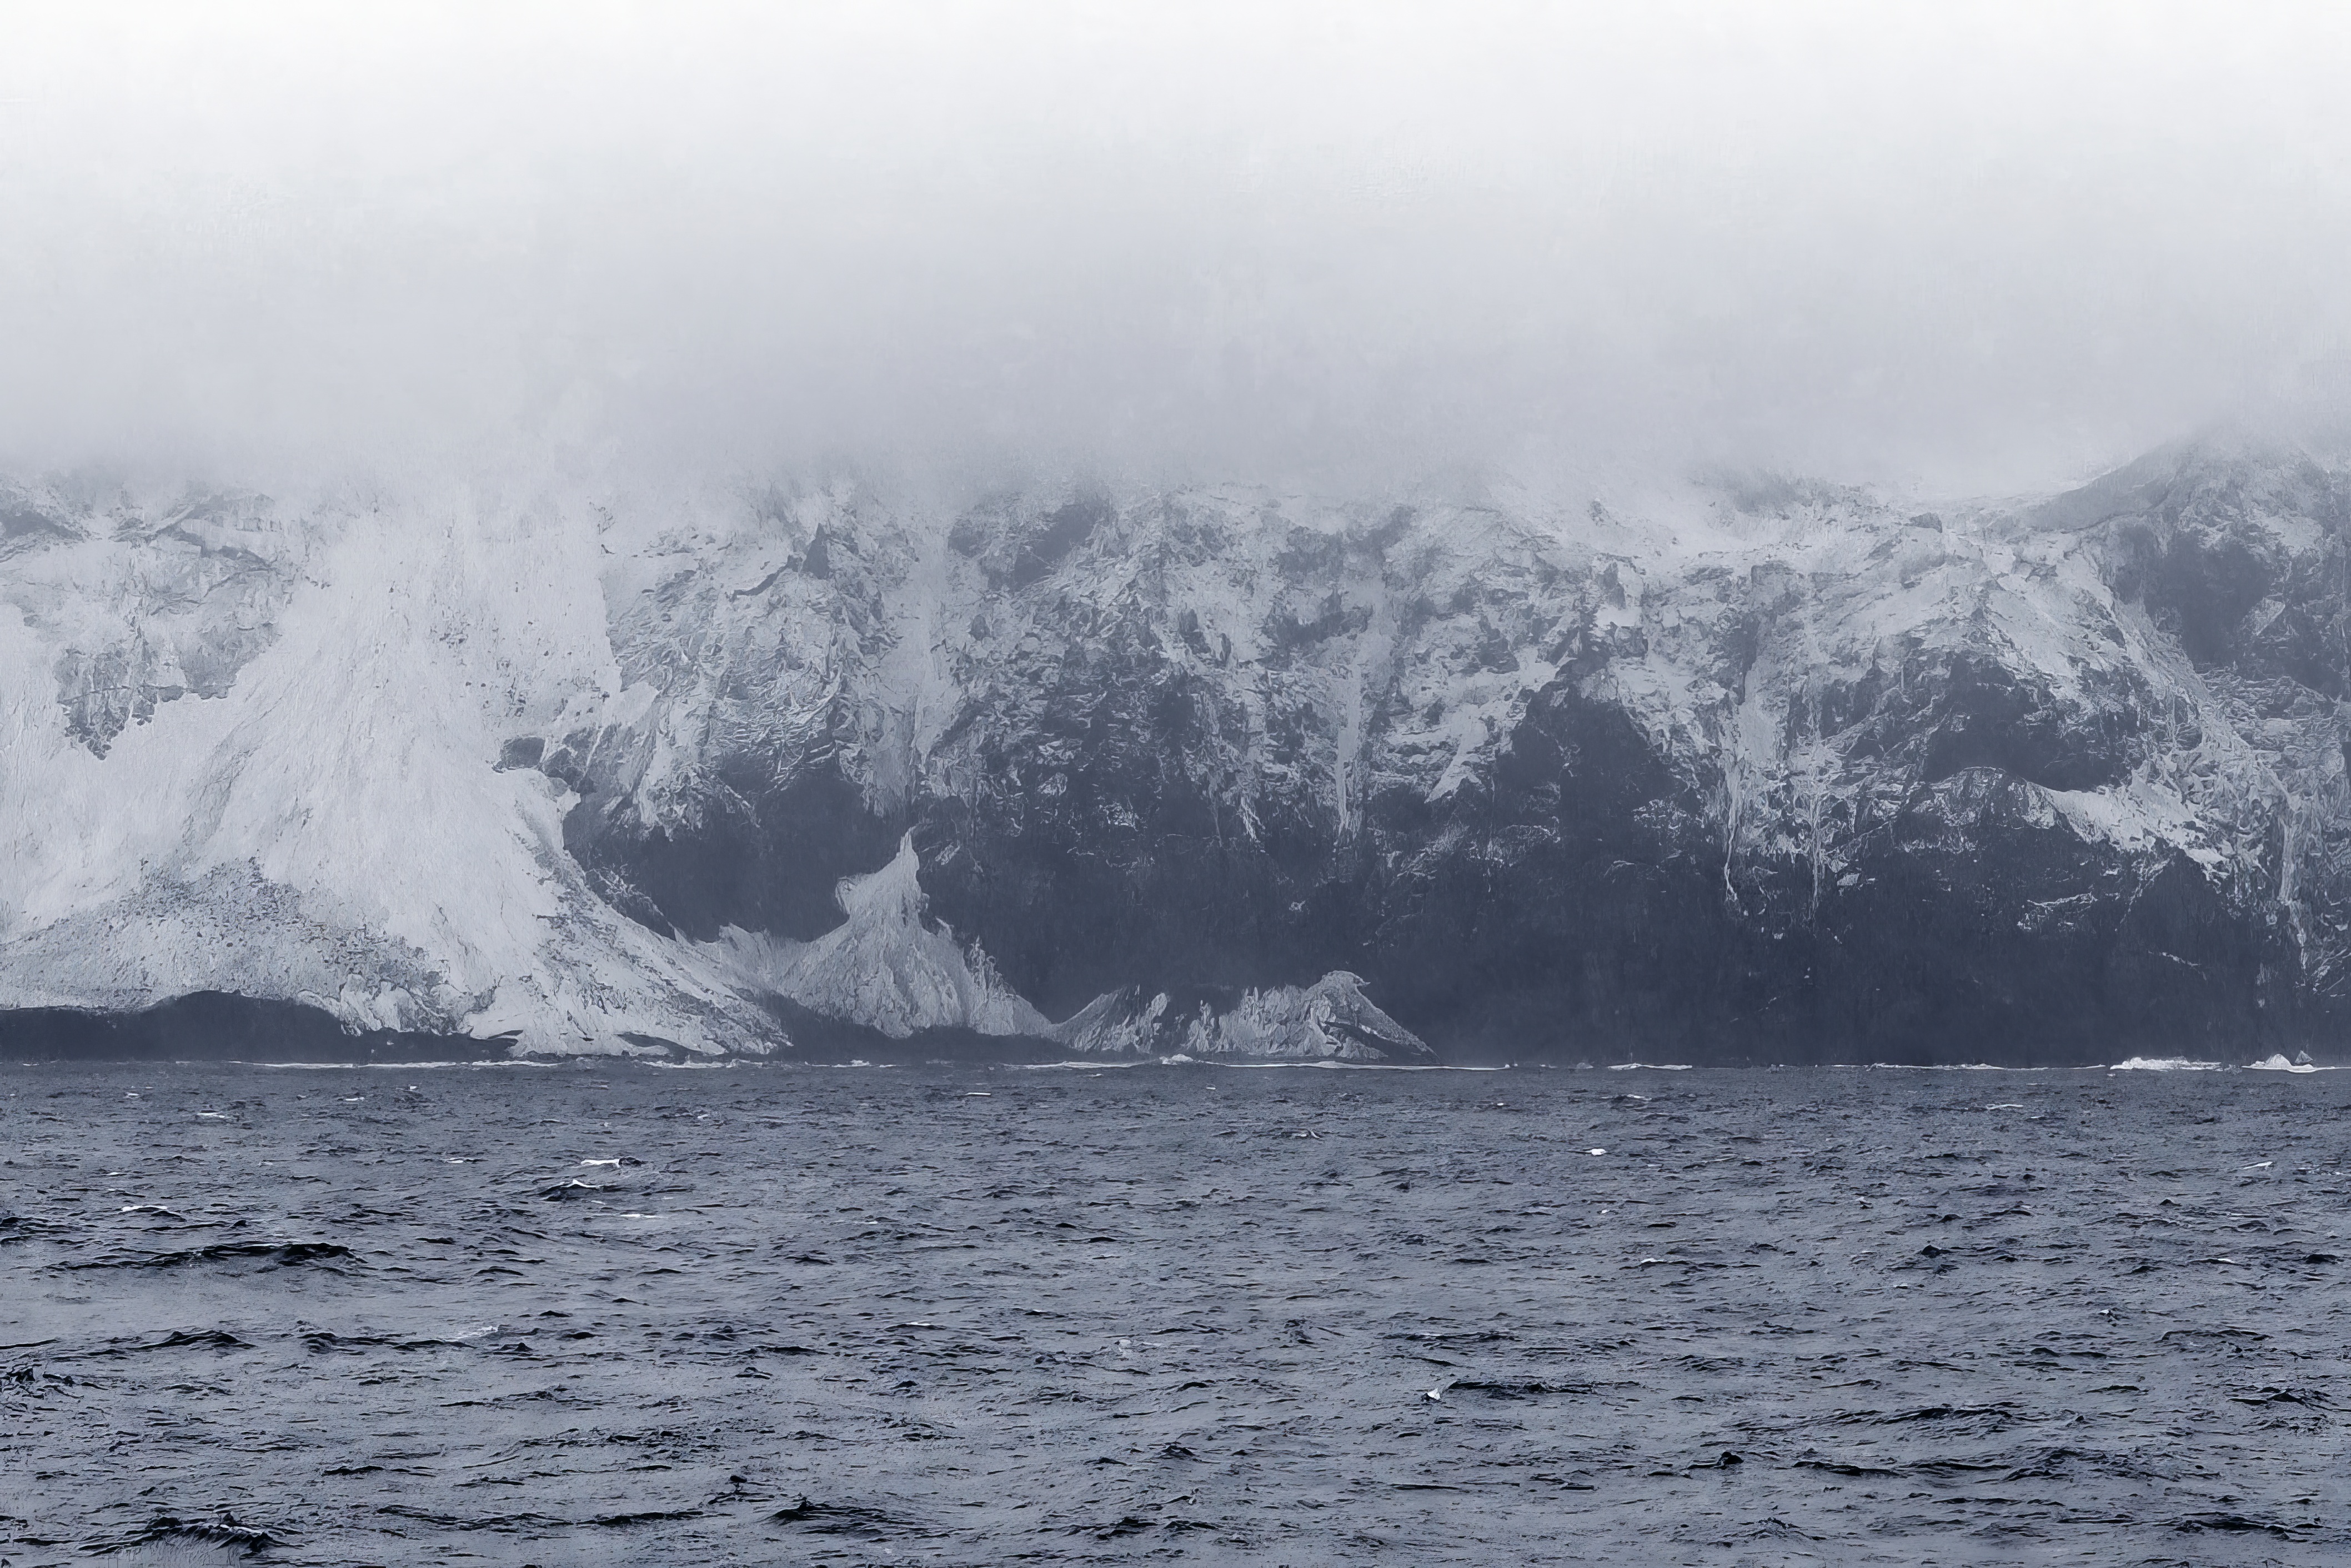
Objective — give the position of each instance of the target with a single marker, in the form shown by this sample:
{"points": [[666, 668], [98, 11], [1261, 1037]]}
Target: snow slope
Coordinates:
{"points": [[330, 826]]}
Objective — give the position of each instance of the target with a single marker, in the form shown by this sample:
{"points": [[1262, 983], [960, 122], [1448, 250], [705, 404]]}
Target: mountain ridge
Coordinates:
{"points": [[1752, 770]]}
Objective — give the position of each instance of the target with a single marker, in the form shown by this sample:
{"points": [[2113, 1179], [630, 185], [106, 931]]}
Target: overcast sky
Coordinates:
{"points": [[1963, 246]]}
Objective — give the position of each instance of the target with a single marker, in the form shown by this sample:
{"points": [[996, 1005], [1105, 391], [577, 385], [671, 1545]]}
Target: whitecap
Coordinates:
{"points": [[1326, 1064], [2163, 1064], [1649, 1066], [2278, 1064], [389, 1066]]}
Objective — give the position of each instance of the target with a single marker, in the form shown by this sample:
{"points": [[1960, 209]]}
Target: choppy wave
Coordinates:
{"points": [[460, 1379]]}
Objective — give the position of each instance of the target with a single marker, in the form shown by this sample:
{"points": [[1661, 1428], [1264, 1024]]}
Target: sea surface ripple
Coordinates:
{"points": [[618, 1314]]}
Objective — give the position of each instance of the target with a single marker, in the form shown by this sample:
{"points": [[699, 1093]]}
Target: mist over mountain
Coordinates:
{"points": [[1260, 531], [1321, 247]]}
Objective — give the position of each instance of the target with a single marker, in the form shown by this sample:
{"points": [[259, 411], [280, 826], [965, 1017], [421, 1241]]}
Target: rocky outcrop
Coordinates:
{"points": [[1330, 1020], [885, 966], [1731, 771]]}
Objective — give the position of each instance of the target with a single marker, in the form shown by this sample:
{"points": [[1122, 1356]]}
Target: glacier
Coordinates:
{"points": [[1739, 769]]}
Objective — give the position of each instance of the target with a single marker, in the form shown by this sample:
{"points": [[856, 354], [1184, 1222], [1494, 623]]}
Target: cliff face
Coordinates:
{"points": [[1778, 772]]}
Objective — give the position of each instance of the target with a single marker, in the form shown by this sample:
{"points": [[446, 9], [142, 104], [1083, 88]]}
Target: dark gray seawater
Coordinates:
{"points": [[1295, 1316]]}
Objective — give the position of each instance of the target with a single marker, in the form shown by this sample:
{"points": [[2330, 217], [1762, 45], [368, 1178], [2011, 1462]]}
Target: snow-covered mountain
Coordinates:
{"points": [[1756, 769]]}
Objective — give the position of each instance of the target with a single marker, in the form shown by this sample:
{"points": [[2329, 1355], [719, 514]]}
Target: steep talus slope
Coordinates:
{"points": [[885, 966], [1744, 770]]}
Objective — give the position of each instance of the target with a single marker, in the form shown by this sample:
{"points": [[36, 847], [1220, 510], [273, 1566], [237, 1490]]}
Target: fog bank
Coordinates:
{"points": [[1959, 249]]}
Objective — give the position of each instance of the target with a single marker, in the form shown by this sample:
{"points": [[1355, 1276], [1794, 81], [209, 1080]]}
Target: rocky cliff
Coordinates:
{"points": [[1744, 770]]}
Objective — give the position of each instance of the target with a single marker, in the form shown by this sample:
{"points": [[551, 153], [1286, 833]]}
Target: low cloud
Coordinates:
{"points": [[1957, 248]]}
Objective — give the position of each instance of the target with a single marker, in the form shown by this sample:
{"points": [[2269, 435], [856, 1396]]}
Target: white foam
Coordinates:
{"points": [[2278, 1064], [1331, 1066], [1649, 1066], [2163, 1064], [388, 1066]]}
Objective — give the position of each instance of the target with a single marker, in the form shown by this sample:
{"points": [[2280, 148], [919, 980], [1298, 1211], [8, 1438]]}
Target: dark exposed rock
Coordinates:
{"points": [[210, 1026]]}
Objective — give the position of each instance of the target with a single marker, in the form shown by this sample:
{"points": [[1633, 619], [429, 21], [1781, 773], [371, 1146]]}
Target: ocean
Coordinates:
{"points": [[605, 1313]]}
